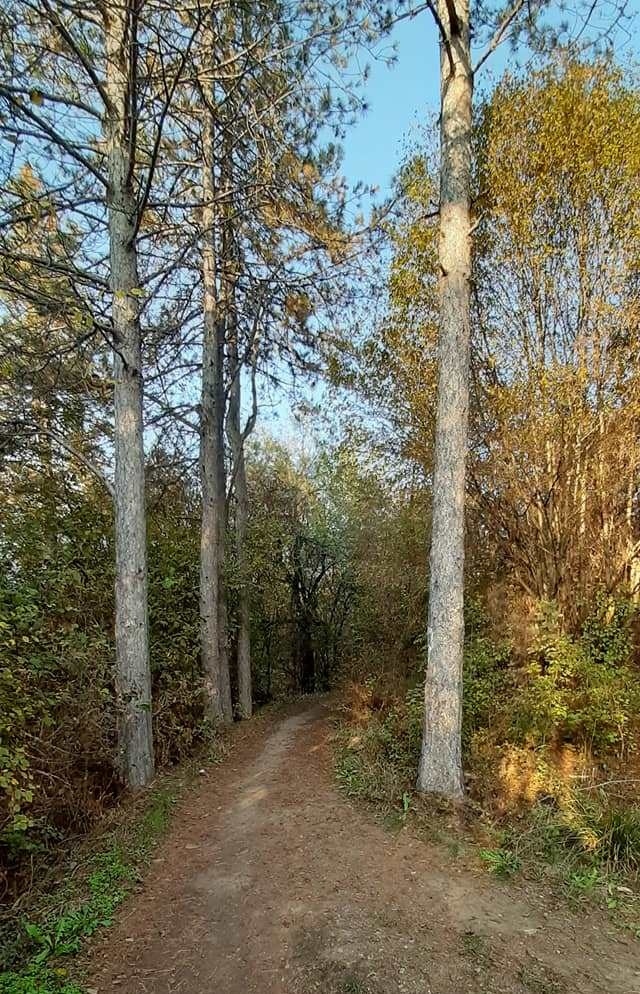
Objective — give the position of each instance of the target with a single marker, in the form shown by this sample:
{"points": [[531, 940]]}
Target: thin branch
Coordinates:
{"points": [[64, 32], [82, 458], [500, 33], [51, 133]]}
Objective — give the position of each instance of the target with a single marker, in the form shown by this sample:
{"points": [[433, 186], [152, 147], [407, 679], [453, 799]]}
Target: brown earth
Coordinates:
{"points": [[270, 881]]}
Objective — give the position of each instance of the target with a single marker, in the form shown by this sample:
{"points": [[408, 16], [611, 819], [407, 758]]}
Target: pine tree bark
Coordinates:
{"points": [[236, 442], [213, 611], [440, 769], [230, 263], [133, 677]]}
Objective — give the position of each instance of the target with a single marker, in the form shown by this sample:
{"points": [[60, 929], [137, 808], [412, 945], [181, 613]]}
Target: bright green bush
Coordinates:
{"points": [[501, 862], [38, 980]]}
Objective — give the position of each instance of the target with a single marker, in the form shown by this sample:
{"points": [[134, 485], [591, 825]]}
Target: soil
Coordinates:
{"points": [[271, 881]]}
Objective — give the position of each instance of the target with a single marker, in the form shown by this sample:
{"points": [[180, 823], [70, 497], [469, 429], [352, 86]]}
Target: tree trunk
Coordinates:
{"points": [[307, 661], [133, 677], [440, 769], [244, 615], [213, 613]]}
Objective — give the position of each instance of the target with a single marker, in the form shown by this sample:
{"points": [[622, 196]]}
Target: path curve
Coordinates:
{"points": [[271, 882]]}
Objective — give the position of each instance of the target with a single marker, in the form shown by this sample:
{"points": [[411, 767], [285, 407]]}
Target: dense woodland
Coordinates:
{"points": [[179, 252]]}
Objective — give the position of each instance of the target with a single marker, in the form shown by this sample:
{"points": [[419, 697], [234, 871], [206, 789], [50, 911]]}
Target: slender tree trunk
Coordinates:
{"points": [[440, 769], [307, 661], [213, 615], [132, 624], [230, 263], [244, 614], [634, 566]]}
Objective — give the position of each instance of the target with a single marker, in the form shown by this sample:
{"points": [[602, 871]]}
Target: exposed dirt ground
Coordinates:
{"points": [[270, 881]]}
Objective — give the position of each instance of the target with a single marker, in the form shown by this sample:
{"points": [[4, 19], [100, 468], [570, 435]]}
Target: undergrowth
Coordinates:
{"points": [[38, 959], [590, 848], [540, 738]]}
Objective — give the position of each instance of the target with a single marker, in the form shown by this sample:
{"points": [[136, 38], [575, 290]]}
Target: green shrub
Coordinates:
{"points": [[581, 688], [486, 682], [606, 634], [55, 712], [38, 980], [619, 841], [530, 731], [606, 832], [58, 712], [178, 695], [583, 882], [35, 963], [588, 836], [401, 733], [378, 763]]}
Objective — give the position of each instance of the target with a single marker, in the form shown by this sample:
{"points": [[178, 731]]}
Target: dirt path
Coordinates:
{"points": [[272, 882]]}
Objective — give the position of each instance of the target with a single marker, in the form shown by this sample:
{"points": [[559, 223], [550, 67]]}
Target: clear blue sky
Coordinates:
{"points": [[401, 98]]}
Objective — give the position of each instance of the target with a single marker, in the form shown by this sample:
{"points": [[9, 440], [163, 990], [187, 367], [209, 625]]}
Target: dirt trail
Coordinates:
{"points": [[272, 882]]}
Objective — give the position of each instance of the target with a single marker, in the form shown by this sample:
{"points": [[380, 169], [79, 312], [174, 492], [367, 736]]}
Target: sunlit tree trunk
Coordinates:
{"points": [[631, 543], [440, 769], [213, 615], [131, 625]]}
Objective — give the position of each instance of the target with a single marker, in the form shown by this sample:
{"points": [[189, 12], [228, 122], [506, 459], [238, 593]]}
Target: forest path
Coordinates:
{"points": [[271, 882]]}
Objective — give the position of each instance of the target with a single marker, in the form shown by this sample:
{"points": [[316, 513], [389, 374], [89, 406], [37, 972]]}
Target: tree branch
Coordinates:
{"points": [[500, 33]]}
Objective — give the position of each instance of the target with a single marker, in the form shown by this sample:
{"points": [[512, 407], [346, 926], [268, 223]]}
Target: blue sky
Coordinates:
{"points": [[400, 98], [405, 95]]}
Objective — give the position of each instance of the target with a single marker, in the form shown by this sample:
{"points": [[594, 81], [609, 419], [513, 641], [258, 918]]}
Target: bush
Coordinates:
{"points": [[57, 715], [36, 960], [603, 831], [378, 761], [501, 862], [486, 682], [174, 618], [57, 703], [619, 838], [580, 689], [533, 735]]}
